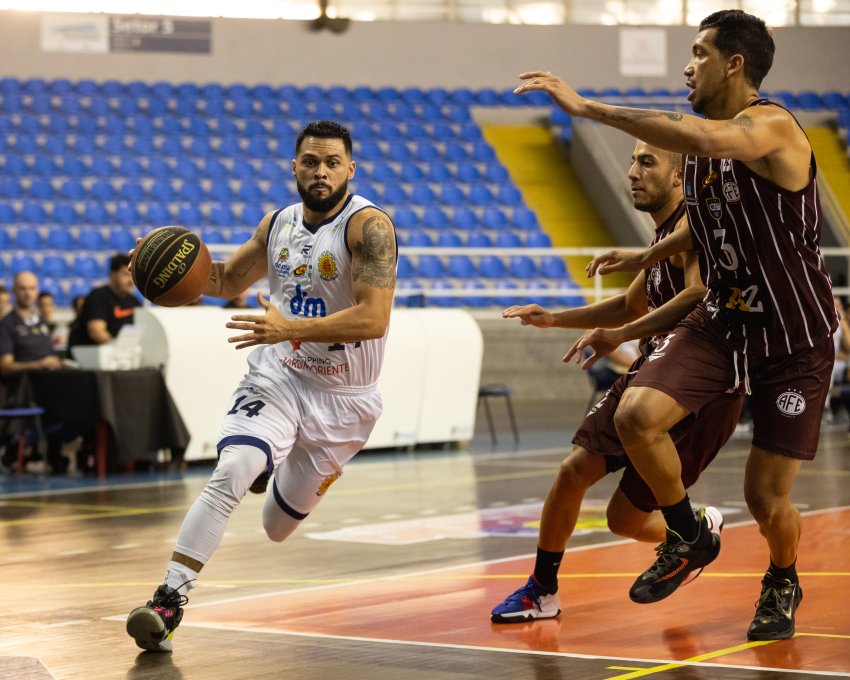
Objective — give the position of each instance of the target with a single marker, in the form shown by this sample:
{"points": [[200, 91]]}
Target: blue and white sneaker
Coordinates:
{"points": [[528, 603]]}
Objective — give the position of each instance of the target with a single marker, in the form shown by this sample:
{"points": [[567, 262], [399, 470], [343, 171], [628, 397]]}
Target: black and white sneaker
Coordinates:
{"points": [[775, 609]]}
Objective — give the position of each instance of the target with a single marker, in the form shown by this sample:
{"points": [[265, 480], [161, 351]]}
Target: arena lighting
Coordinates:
{"points": [[326, 22]]}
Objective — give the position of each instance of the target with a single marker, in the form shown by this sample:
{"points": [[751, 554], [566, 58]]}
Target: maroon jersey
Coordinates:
{"points": [[663, 280], [759, 255]]}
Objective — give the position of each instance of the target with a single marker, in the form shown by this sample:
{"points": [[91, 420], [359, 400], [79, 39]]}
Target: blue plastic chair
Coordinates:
{"points": [[252, 214], [462, 267], [439, 300], [127, 214], [64, 214], [448, 239], [431, 267], [249, 192], [41, 189], [121, 240], [455, 152], [509, 195], [435, 217], [95, 214], [222, 216], [33, 213], [405, 268], [102, 190], [22, 262], [240, 235], [422, 194], [163, 191], [553, 267], [525, 219], [213, 236], [420, 239], [221, 191], [158, 214], [215, 169], [452, 195], [186, 168], [465, 218], [508, 239], [90, 238], [129, 167], [467, 172], [427, 151], [395, 194], [523, 267], [480, 194], [476, 300], [28, 238], [191, 191], [411, 172], [11, 188], [190, 215], [405, 218], [492, 217], [479, 239], [101, 166], [132, 191], [54, 266], [492, 267], [45, 166], [60, 238]]}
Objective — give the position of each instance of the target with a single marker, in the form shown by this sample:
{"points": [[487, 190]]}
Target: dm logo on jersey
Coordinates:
{"points": [[731, 192], [282, 266], [715, 207], [327, 266], [326, 482], [312, 307], [300, 270], [791, 403], [709, 178]]}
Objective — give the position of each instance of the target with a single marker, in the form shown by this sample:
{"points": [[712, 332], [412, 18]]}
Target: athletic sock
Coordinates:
{"points": [[180, 577], [680, 518], [546, 569], [782, 573]]}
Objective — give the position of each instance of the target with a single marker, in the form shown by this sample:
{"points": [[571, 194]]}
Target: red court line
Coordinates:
{"points": [[452, 607]]}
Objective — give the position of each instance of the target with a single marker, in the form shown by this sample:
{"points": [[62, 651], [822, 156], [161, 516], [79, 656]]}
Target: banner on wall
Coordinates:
{"points": [[643, 52], [117, 34]]}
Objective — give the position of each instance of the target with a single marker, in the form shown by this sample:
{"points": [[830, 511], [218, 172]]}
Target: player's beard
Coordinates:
{"points": [[322, 205]]}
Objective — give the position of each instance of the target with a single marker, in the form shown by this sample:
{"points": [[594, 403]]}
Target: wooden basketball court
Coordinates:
{"points": [[394, 575]]}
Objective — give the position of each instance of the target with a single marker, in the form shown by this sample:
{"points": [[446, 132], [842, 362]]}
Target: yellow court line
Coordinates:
{"points": [[51, 504], [52, 519], [623, 668], [823, 635], [694, 659]]}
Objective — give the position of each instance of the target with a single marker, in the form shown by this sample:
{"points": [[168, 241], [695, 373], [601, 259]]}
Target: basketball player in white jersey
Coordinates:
{"points": [[309, 400]]}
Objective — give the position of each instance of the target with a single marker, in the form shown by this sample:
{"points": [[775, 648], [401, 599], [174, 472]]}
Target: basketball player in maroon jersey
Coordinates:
{"points": [[653, 304], [751, 197]]}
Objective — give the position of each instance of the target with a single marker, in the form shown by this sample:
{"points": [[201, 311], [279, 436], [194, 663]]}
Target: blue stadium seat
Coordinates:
{"points": [[525, 219], [54, 266], [523, 267], [33, 213], [243, 169], [60, 238], [158, 214], [121, 240], [405, 218], [488, 97], [14, 166], [427, 151], [73, 190], [102, 190], [419, 239], [368, 191], [455, 152], [411, 172], [220, 191], [65, 214], [191, 191], [415, 131], [240, 235], [492, 267], [221, 215], [405, 268], [249, 192], [186, 168], [23, 262], [127, 214], [190, 216], [90, 238], [7, 214], [508, 239], [480, 194], [113, 145], [132, 191], [435, 217], [443, 132], [492, 217], [41, 189], [479, 239], [229, 146], [28, 238], [259, 147], [462, 267], [422, 194], [213, 236], [465, 218], [271, 169], [383, 173], [101, 166], [395, 194], [399, 151], [458, 114], [252, 214], [440, 300], [507, 299], [452, 195], [215, 169], [476, 300], [467, 172], [553, 267], [96, 214], [45, 166], [462, 96], [809, 100], [86, 267], [483, 152], [431, 267], [130, 167], [508, 194], [163, 191], [448, 239], [834, 100], [11, 188]]}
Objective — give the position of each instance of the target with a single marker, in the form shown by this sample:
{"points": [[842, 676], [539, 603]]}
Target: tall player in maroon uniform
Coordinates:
{"points": [[754, 217]]}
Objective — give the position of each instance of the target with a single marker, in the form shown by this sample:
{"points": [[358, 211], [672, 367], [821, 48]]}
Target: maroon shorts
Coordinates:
{"points": [[788, 393], [697, 438]]}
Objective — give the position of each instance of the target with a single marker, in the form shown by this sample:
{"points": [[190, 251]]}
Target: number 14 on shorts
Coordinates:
{"points": [[251, 409]]}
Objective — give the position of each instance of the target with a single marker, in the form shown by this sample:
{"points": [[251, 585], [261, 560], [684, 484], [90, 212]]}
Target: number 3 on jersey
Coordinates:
{"points": [[252, 408]]}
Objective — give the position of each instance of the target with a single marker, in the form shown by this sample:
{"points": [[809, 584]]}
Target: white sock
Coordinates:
{"points": [[180, 577]]}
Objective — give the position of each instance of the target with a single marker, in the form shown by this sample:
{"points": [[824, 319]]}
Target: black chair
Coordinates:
{"points": [[498, 390], [25, 415]]}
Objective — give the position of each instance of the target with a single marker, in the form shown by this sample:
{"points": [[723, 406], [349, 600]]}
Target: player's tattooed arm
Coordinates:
{"points": [[216, 278], [248, 265], [374, 254], [622, 115]]}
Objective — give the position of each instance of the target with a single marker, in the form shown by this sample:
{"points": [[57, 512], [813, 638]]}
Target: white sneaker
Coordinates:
{"points": [[714, 521]]}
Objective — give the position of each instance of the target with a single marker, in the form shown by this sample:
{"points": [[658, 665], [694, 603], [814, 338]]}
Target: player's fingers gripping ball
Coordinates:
{"points": [[171, 266]]}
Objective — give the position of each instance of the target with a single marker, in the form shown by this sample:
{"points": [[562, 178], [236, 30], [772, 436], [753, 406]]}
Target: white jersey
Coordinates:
{"points": [[310, 276]]}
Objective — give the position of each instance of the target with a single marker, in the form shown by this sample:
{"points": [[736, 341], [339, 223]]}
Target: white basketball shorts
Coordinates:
{"points": [[308, 432]]}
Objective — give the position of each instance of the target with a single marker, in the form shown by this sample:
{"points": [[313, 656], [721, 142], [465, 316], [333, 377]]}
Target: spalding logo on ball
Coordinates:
{"points": [[171, 266]]}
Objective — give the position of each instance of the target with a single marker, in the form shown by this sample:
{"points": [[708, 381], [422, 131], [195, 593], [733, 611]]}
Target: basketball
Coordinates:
{"points": [[171, 266]]}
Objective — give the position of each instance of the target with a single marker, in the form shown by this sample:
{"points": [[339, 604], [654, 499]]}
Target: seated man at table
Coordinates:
{"points": [[26, 345], [107, 308]]}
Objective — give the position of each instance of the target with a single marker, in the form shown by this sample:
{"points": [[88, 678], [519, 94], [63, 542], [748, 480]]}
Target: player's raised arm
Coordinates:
{"points": [[636, 260], [248, 265]]}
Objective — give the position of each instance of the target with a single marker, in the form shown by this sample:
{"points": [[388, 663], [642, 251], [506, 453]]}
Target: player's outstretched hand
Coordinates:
{"points": [[602, 341], [614, 261], [264, 329], [530, 315], [564, 95]]}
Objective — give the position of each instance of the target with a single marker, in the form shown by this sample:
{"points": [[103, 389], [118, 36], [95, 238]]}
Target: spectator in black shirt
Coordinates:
{"points": [[107, 308], [5, 301]]}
